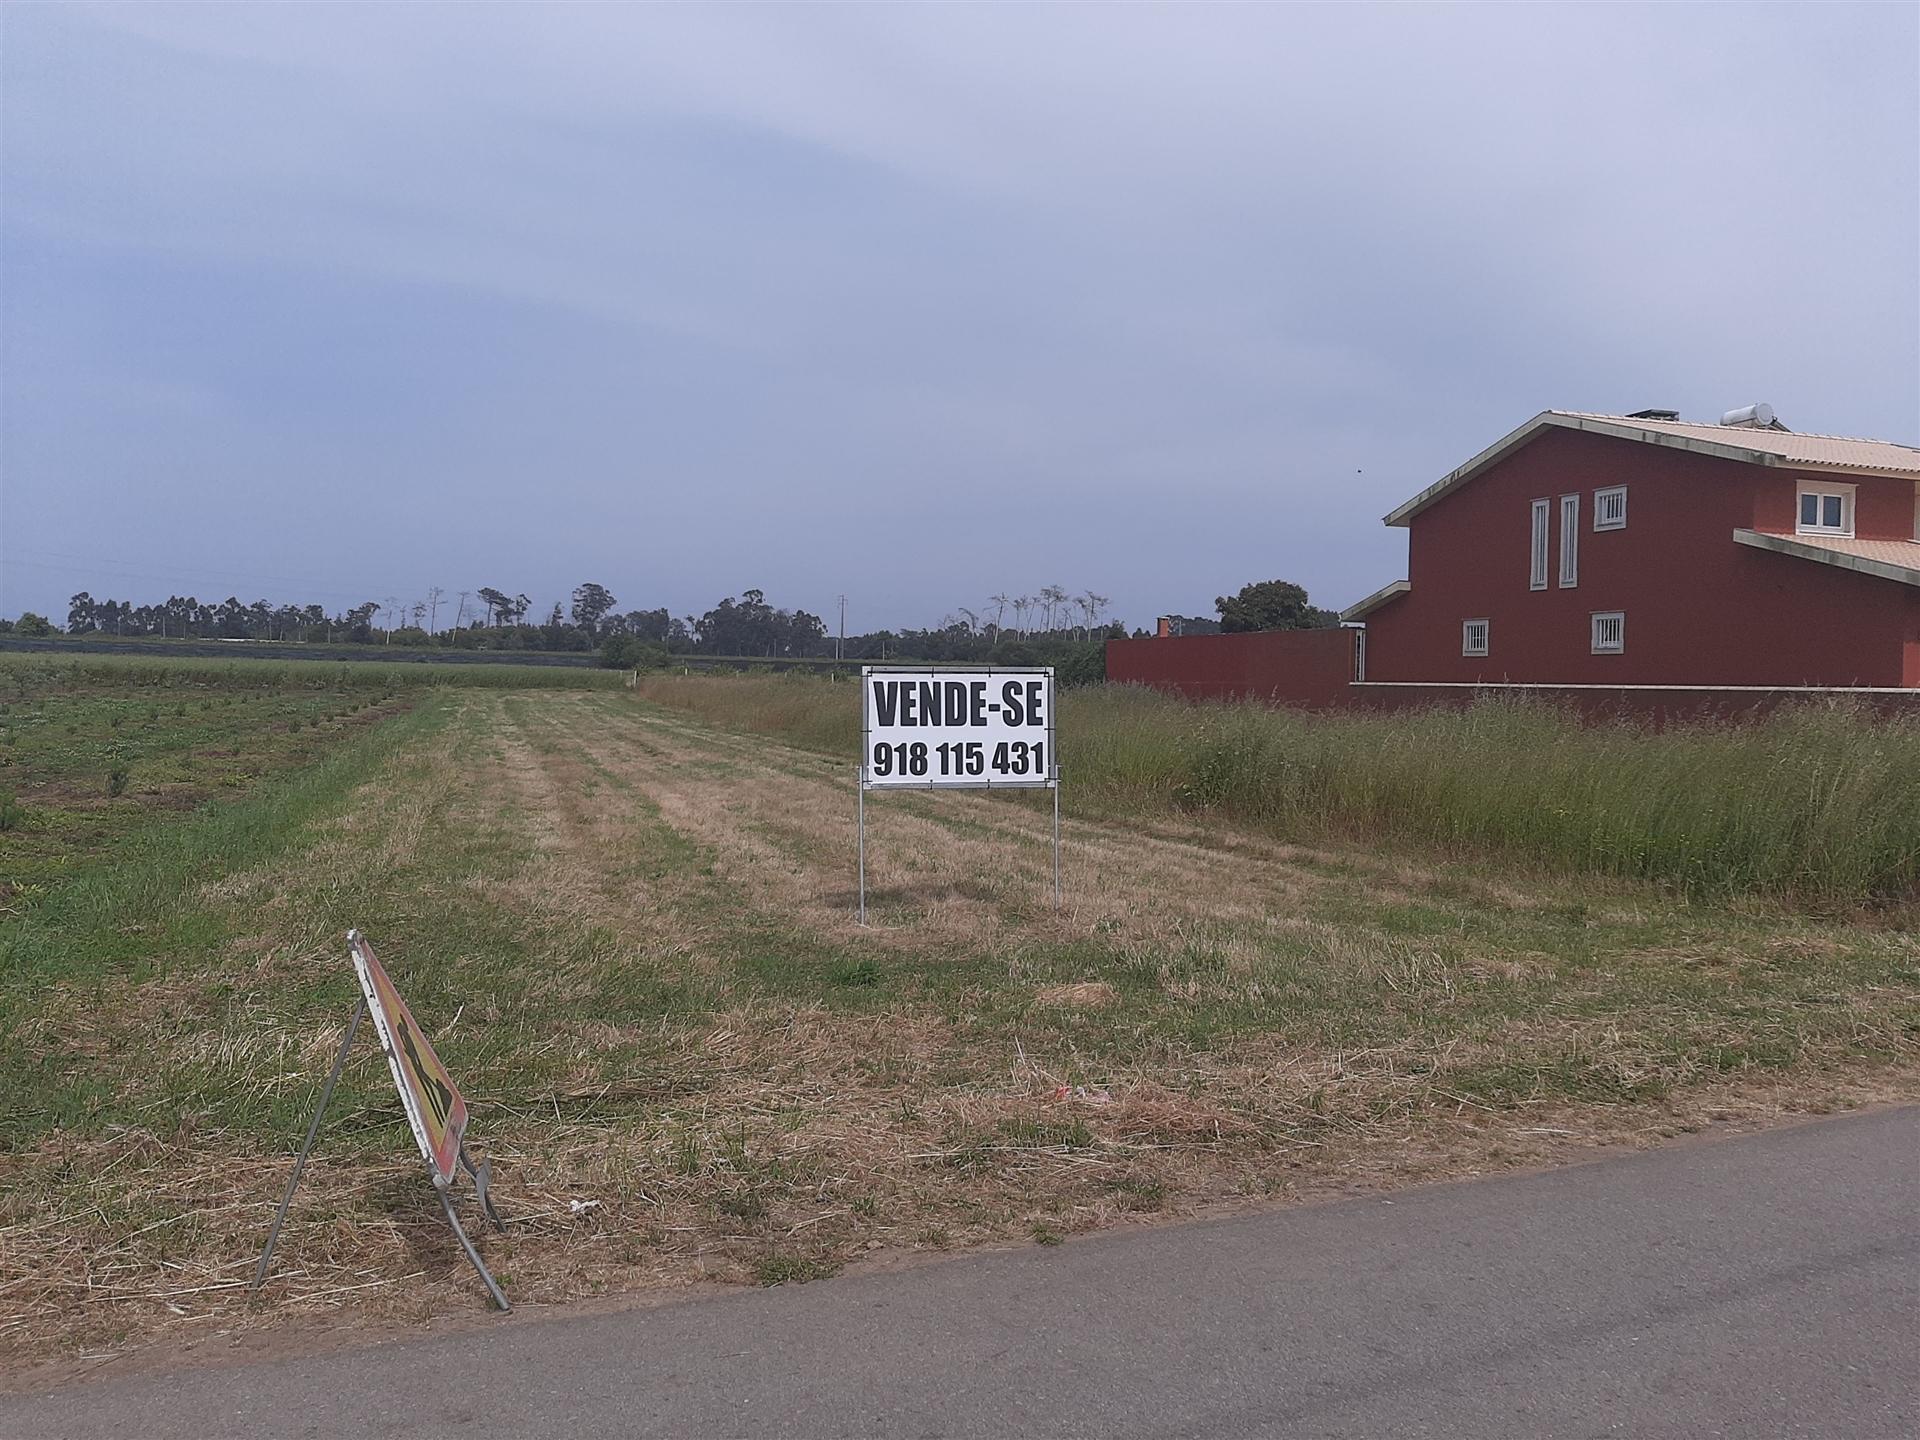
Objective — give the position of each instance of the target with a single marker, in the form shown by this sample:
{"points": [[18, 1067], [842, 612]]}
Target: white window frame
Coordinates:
{"points": [[1619, 619], [1601, 501], [1466, 637], [1542, 527], [1824, 489], [1569, 541]]}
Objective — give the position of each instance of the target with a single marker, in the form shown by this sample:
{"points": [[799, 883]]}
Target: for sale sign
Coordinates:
{"points": [[957, 728], [435, 1112]]}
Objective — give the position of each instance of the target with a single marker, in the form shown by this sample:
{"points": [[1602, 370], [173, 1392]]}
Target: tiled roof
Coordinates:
{"points": [[1831, 453], [1889, 559], [1840, 451]]}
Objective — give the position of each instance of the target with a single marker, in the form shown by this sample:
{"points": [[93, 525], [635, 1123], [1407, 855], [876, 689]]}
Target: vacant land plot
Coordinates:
{"points": [[1818, 803], [632, 933]]}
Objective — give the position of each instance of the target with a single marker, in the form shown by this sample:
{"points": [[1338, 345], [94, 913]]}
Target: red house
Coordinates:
{"points": [[1645, 550]]}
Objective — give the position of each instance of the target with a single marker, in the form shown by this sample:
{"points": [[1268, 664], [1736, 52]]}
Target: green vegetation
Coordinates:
{"points": [[1271, 605], [47, 672], [97, 752], [1819, 803], [1051, 625], [630, 934]]}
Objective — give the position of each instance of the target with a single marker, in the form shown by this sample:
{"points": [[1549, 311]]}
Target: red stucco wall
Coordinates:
{"points": [[1651, 703], [1701, 610], [1883, 509], [1308, 668]]}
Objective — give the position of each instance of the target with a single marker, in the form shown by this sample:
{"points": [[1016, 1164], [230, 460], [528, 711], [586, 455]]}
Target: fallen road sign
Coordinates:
{"points": [[436, 1113]]}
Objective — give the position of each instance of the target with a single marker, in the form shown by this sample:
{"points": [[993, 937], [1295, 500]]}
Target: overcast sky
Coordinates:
{"points": [[329, 303]]}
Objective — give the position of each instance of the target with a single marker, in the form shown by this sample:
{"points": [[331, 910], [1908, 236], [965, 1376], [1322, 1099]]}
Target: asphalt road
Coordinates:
{"points": [[1756, 1287]]}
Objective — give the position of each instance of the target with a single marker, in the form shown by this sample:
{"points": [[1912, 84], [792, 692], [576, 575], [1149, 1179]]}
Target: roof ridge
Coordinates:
{"points": [[1736, 429]]}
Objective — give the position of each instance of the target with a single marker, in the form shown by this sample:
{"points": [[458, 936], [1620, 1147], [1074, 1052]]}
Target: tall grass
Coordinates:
{"points": [[820, 714], [1820, 803], [42, 672]]}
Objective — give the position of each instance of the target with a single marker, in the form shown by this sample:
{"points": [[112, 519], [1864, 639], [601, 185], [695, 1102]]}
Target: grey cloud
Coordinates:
{"points": [[916, 303]]}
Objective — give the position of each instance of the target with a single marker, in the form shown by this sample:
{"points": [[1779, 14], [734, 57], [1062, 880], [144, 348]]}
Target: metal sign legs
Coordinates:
{"points": [[860, 814], [482, 1178], [306, 1148]]}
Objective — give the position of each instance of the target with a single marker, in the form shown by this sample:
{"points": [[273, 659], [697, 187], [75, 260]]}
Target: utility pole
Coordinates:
{"points": [[841, 644], [433, 619], [460, 615]]}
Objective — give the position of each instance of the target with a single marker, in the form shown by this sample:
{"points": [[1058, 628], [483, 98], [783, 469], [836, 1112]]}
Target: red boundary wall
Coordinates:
{"points": [[1312, 669], [1315, 669]]}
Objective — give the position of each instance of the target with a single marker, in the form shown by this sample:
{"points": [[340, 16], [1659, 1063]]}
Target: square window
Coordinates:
{"points": [[1473, 637], [1610, 508], [1825, 509], [1609, 632]]}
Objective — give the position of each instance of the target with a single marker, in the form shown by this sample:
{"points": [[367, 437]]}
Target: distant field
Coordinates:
{"points": [[1820, 805], [89, 756], [410, 657], [631, 933], [55, 671], [195, 649]]}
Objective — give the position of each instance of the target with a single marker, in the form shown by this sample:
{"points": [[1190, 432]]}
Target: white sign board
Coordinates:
{"points": [[956, 729]]}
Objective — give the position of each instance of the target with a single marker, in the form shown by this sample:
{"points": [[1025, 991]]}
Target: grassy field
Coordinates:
{"points": [[47, 674], [631, 933], [88, 759], [95, 645], [1821, 804]]}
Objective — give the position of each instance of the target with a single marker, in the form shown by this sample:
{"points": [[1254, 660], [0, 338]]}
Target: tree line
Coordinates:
{"points": [[1009, 628], [492, 618]]}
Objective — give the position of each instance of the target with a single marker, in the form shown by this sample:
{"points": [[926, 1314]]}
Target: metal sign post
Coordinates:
{"points": [[1056, 837], [934, 728]]}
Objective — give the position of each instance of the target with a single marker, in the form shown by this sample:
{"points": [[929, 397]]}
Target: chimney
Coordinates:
{"points": [[1164, 627]]}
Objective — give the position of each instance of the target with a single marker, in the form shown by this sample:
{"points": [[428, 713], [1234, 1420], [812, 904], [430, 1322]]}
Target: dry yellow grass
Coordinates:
{"points": [[634, 937]]}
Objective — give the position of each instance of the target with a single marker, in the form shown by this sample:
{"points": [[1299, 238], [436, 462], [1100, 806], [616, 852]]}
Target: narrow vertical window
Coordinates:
{"points": [[1569, 541], [1537, 579]]}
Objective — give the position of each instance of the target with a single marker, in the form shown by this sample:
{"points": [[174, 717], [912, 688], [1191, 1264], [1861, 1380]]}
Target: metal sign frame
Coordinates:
{"points": [[442, 1187], [393, 1022], [863, 782]]}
